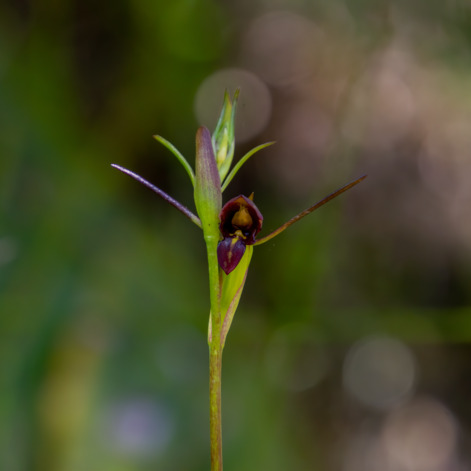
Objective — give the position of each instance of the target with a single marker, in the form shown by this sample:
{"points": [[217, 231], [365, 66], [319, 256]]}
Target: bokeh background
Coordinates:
{"points": [[350, 350]]}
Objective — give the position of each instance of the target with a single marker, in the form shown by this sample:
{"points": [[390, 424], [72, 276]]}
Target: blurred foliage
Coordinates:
{"points": [[103, 291]]}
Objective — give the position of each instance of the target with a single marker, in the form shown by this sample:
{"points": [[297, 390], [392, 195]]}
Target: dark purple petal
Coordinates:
{"points": [[230, 251]]}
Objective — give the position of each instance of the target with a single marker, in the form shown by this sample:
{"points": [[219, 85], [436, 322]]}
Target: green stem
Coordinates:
{"points": [[215, 363], [215, 356]]}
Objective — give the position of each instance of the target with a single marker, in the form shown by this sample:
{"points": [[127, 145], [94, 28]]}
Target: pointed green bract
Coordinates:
{"points": [[208, 197], [223, 137], [178, 155], [232, 286], [242, 162]]}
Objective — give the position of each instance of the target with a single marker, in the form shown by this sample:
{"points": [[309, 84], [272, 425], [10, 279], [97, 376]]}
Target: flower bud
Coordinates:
{"points": [[223, 137]]}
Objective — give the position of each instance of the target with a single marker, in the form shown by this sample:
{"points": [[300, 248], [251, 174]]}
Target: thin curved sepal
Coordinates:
{"points": [[183, 209], [309, 210], [178, 155], [242, 161]]}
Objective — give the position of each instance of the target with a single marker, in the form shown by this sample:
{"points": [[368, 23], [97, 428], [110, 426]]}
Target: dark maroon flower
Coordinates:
{"points": [[239, 216], [240, 222]]}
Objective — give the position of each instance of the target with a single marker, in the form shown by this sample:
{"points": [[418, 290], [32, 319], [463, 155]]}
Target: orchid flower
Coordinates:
{"points": [[229, 231]]}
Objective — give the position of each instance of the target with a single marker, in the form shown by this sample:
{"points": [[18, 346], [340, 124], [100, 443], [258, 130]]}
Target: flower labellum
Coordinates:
{"points": [[240, 222]]}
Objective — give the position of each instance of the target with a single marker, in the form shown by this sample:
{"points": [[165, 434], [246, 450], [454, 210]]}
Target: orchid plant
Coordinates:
{"points": [[230, 233]]}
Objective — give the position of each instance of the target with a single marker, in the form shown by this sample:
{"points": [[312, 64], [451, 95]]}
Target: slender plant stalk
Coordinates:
{"points": [[230, 233], [215, 357], [215, 363]]}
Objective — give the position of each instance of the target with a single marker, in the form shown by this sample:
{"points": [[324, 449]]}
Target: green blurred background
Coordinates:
{"points": [[350, 347]]}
